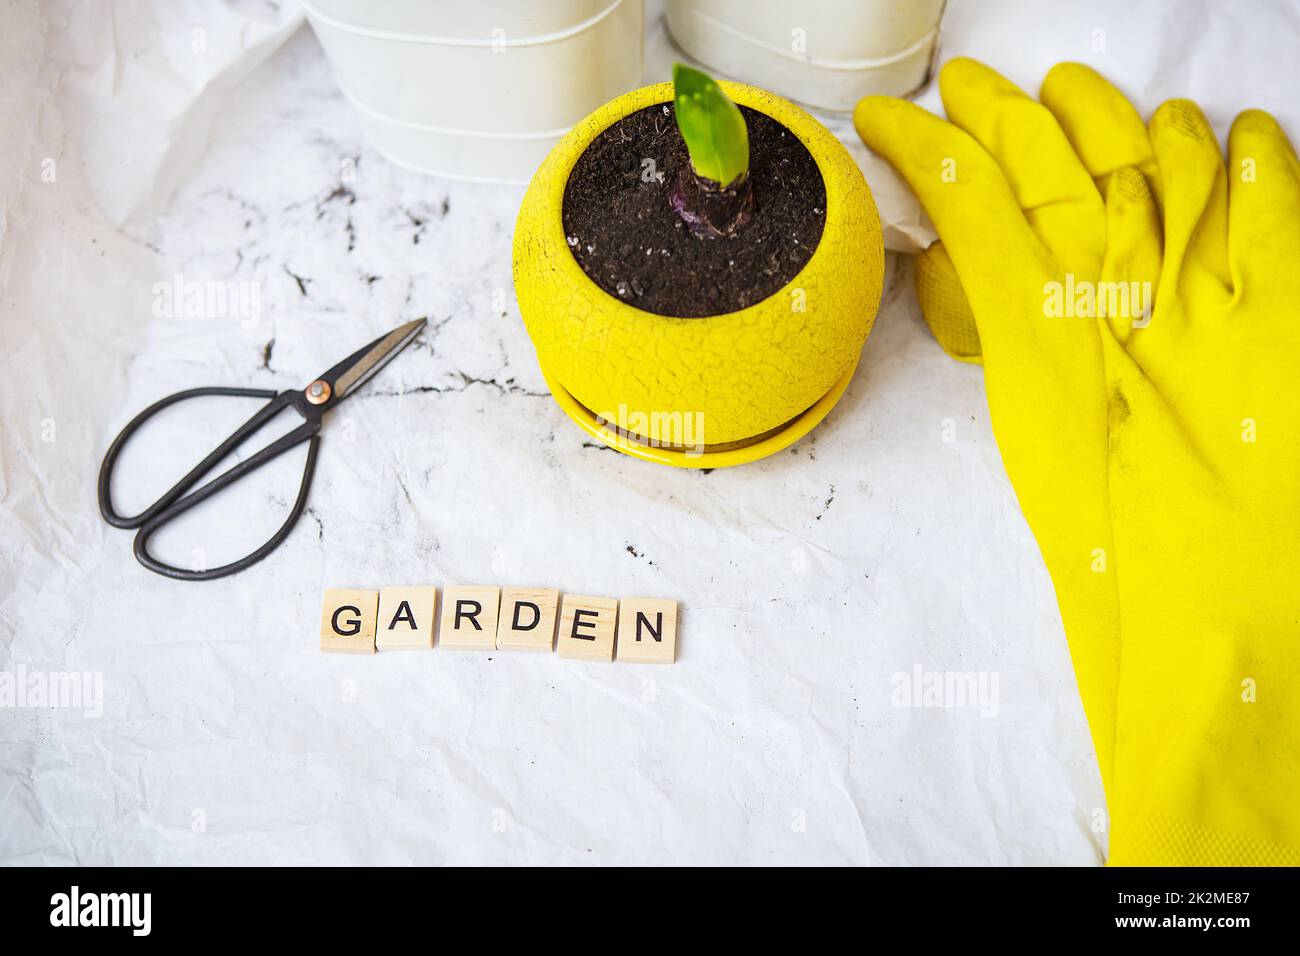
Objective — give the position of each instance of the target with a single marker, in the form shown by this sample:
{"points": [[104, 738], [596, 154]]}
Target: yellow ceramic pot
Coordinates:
{"points": [[733, 387]]}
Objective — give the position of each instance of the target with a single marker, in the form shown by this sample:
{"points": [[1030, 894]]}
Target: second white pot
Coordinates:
{"points": [[824, 53]]}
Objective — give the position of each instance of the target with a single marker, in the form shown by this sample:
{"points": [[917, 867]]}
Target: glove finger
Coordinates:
{"points": [[1126, 294], [1060, 200], [1044, 378], [1104, 128], [966, 196], [1194, 189], [944, 306], [1263, 204], [1108, 134]]}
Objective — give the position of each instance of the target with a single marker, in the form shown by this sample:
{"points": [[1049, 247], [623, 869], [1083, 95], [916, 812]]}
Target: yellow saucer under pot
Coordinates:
{"points": [[758, 379]]}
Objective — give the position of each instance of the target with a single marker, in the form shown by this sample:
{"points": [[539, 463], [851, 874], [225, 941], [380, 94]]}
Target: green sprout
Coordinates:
{"points": [[712, 127]]}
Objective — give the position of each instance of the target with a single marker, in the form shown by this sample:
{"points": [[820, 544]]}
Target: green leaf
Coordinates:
{"points": [[711, 125]]}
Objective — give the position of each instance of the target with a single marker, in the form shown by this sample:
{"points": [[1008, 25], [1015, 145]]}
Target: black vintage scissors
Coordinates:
{"points": [[312, 402]]}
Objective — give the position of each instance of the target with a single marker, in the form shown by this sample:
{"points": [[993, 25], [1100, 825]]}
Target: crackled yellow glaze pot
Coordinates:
{"points": [[757, 379]]}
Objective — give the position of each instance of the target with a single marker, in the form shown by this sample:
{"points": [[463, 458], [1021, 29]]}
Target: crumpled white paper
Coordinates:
{"points": [[818, 587]]}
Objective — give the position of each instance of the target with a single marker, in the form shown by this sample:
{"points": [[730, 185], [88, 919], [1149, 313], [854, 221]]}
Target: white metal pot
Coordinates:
{"points": [[480, 90], [824, 53]]}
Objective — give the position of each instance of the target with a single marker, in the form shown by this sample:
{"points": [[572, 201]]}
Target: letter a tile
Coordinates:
{"points": [[406, 617]]}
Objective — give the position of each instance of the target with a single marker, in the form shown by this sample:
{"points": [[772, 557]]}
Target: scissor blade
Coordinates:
{"points": [[358, 368]]}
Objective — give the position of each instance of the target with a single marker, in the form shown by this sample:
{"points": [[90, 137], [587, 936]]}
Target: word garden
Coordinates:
{"points": [[638, 630]]}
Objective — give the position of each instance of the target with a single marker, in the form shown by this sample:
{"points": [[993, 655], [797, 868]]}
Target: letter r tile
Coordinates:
{"points": [[469, 618]]}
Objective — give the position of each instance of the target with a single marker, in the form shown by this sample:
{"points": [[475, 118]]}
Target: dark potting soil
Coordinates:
{"points": [[631, 243]]}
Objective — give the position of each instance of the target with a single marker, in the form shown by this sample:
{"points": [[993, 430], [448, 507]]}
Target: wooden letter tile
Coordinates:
{"points": [[647, 630], [527, 619], [347, 621], [469, 618], [406, 617], [587, 627]]}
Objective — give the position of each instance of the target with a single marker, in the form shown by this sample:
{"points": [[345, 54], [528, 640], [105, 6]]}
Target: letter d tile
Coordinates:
{"points": [[527, 621]]}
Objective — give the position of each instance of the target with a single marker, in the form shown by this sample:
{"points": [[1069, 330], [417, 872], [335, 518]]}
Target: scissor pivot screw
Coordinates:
{"points": [[318, 392]]}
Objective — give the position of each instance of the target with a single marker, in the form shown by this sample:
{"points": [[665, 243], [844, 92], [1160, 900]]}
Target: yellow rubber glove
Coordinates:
{"points": [[1017, 210], [1205, 497], [1206, 510]]}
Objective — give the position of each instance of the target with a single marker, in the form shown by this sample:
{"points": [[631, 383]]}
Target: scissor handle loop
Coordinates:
{"points": [[141, 547], [198, 471], [176, 501]]}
